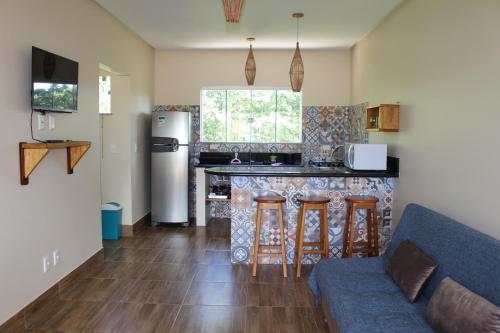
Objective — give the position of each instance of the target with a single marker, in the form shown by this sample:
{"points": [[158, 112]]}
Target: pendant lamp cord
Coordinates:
{"points": [[297, 29]]}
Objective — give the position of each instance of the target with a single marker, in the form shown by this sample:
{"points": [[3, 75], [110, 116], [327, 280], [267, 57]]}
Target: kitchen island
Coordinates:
{"points": [[291, 183]]}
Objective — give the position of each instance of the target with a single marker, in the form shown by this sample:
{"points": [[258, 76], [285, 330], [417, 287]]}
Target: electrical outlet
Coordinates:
{"points": [[46, 264], [52, 122], [55, 257], [41, 122]]}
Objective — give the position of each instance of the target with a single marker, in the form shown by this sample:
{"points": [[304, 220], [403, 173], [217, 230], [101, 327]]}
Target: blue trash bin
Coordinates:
{"points": [[111, 218]]}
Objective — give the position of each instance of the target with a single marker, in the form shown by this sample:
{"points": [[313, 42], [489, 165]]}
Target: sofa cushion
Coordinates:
{"points": [[363, 298], [410, 268], [453, 308], [466, 255]]}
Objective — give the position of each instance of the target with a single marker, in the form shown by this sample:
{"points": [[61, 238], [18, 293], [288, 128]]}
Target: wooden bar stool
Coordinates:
{"points": [[349, 246], [263, 203], [316, 203]]}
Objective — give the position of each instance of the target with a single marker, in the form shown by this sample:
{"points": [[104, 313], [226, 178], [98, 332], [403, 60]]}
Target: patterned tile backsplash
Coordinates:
{"points": [[243, 210], [322, 128]]}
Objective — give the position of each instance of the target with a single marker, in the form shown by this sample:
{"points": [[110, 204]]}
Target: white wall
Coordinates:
{"points": [[440, 59], [56, 210], [179, 75]]}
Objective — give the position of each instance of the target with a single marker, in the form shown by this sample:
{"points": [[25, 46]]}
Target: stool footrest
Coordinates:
{"points": [[313, 251], [269, 247], [269, 254], [311, 244]]}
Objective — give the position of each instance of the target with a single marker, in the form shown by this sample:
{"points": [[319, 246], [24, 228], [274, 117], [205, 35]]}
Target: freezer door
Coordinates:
{"points": [[171, 124], [169, 186]]}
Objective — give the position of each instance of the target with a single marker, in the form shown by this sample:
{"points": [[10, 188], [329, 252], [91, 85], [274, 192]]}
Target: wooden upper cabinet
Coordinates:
{"points": [[382, 118]]}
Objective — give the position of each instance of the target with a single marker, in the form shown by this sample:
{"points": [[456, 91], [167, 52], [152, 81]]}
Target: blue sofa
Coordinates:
{"points": [[357, 295]]}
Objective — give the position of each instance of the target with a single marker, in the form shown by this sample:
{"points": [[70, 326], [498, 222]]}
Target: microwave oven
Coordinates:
{"points": [[365, 156]]}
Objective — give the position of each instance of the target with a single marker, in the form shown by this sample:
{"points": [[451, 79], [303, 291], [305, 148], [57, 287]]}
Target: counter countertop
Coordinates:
{"points": [[298, 172]]}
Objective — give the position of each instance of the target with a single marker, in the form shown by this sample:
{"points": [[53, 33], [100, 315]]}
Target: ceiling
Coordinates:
{"points": [[200, 24]]}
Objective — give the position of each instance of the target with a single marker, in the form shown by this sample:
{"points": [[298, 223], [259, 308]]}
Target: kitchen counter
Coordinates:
{"points": [[288, 171], [292, 182]]}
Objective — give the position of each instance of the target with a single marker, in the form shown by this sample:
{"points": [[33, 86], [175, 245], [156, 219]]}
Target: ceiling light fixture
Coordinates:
{"points": [[297, 66], [250, 66], [232, 9]]}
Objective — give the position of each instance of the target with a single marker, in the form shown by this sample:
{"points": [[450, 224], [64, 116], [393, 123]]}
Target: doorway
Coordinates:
{"points": [[115, 141]]}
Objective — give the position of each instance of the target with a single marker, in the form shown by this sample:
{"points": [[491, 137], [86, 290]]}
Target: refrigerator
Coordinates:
{"points": [[170, 167]]}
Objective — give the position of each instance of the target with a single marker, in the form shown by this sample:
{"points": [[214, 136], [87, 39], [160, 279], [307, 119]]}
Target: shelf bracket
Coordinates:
{"points": [[29, 159], [74, 154]]}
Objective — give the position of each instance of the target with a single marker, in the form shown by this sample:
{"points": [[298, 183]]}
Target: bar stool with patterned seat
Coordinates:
{"points": [[349, 246], [265, 203], [317, 203]]}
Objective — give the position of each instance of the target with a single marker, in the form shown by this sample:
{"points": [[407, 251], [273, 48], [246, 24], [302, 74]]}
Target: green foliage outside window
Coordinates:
{"points": [[244, 115]]}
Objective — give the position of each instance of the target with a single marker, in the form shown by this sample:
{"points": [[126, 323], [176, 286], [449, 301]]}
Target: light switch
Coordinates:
{"points": [[41, 121], [52, 122], [113, 148]]}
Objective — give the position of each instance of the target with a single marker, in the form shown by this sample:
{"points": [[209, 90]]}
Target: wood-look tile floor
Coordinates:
{"points": [[169, 279]]}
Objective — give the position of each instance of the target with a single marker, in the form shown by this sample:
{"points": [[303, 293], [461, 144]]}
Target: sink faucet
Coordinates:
{"points": [[334, 150]]}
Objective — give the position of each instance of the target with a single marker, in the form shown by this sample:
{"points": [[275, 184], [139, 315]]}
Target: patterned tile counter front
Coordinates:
{"points": [[243, 209]]}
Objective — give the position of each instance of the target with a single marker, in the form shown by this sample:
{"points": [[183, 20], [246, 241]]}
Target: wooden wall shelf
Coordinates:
{"points": [[31, 154], [382, 118]]}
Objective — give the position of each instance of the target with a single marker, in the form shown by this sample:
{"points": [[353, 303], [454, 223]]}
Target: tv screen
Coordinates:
{"points": [[54, 82]]}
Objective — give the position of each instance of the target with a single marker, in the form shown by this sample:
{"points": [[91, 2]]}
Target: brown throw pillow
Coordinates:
{"points": [[454, 308], [410, 268]]}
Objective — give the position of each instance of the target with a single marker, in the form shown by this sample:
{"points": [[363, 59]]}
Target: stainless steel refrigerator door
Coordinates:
{"points": [[171, 124], [169, 186]]}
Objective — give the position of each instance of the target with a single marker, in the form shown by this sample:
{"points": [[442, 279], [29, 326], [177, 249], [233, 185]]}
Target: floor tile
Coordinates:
{"points": [[92, 289], [216, 293], [133, 255], [280, 320], [169, 292], [272, 294], [219, 244], [170, 272], [80, 315], [216, 258], [117, 270], [179, 256], [222, 273], [210, 319], [143, 318]]}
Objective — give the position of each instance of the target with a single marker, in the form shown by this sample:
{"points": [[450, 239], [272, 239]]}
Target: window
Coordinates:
{"points": [[257, 116], [104, 94]]}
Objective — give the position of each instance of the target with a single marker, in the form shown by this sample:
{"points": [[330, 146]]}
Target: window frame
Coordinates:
{"points": [[226, 88]]}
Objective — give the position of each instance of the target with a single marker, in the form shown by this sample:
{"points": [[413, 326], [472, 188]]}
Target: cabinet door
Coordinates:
{"points": [[389, 117]]}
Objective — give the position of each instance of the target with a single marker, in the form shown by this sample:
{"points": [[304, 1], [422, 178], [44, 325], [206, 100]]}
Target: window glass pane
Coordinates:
{"points": [[244, 115], [289, 119], [239, 114], [264, 116], [105, 94], [213, 116]]}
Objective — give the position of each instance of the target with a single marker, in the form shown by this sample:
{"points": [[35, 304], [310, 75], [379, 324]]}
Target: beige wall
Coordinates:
{"points": [[440, 59], [179, 75], [56, 210]]}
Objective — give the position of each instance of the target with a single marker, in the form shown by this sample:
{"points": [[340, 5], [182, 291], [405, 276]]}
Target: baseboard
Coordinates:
{"points": [[23, 320], [142, 222], [129, 230]]}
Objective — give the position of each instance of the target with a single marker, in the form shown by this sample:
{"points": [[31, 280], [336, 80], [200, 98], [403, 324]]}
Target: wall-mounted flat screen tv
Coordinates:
{"points": [[54, 82]]}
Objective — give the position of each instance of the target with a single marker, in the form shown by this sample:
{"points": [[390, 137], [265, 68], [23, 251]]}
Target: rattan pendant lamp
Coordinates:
{"points": [[297, 66], [250, 66]]}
